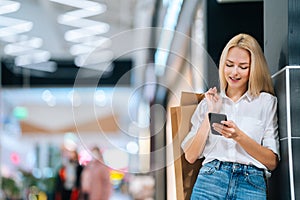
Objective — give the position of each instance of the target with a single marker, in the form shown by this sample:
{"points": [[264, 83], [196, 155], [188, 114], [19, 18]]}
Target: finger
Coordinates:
{"points": [[226, 123], [210, 92], [225, 133], [223, 130], [208, 96], [218, 127], [219, 131], [215, 89], [215, 98]]}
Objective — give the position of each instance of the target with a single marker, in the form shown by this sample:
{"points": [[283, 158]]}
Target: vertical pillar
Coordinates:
{"points": [[285, 180], [282, 50], [294, 32]]}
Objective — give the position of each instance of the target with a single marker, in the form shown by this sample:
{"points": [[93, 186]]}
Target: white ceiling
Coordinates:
{"points": [[44, 13]]}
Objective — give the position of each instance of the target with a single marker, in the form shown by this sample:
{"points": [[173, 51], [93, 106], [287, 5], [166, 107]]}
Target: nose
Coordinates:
{"points": [[235, 69]]}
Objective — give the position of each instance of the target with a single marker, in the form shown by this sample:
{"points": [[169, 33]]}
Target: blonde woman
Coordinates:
{"points": [[235, 162]]}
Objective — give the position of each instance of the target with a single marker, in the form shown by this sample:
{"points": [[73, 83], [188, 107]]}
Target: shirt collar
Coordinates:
{"points": [[246, 95]]}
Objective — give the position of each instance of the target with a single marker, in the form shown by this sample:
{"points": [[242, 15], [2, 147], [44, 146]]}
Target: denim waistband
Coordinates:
{"points": [[235, 167]]}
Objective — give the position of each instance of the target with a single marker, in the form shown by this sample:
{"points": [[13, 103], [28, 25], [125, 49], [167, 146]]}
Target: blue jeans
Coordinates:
{"points": [[226, 180]]}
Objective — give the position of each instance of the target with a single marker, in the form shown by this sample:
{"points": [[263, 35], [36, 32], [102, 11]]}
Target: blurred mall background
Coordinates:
{"points": [[82, 73]]}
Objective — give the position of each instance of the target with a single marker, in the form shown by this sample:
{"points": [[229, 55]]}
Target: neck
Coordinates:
{"points": [[235, 95]]}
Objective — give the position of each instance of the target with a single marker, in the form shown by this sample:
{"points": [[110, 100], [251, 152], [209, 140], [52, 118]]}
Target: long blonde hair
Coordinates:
{"points": [[259, 79]]}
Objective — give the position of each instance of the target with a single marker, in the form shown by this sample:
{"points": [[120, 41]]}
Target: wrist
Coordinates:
{"points": [[239, 137]]}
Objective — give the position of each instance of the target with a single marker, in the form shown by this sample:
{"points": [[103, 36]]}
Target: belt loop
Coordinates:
{"points": [[218, 164], [245, 169]]}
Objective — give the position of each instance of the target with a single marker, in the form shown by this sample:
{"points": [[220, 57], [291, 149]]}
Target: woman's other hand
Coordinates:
{"points": [[214, 100]]}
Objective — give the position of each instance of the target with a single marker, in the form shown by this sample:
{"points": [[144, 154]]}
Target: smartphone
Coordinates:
{"points": [[216, 118]]}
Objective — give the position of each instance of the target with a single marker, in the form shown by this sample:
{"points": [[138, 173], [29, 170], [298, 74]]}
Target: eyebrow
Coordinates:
{"points": [[243, 63]]}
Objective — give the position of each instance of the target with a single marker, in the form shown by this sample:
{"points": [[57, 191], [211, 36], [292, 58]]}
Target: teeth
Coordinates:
{"points": [[235, 78]]}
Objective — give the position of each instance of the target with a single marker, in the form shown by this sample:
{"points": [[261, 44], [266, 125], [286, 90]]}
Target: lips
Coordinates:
{"points": [[234, 79]]}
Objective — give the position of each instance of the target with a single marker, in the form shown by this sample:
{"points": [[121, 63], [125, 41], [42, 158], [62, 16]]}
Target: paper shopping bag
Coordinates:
{"points": [[185, 173]]}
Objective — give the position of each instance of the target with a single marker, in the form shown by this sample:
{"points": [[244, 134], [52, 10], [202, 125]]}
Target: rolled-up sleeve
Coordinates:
{"points": [[271, 138], [196, 121]]}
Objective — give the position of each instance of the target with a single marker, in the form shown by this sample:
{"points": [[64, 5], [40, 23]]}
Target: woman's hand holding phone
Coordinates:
{"points": [[216, 118]]}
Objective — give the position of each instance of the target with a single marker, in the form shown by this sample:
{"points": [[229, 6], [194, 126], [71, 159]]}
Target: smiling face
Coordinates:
{"points": [[237, 70]]}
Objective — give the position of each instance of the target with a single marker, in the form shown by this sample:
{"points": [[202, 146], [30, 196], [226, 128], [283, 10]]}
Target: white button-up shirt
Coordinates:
{"points": [[255, 116]]}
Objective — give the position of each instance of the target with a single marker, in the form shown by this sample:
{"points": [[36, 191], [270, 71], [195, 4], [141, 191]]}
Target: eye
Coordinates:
{"points": [[244, 67], [229, 65]]}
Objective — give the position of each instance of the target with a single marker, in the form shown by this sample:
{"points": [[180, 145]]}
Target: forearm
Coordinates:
{"points": [[194, 147], [264, 155]]}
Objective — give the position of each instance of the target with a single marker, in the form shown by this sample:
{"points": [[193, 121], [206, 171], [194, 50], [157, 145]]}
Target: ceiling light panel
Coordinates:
{"points": [[24, 49], [8, 7], [87, 37]]}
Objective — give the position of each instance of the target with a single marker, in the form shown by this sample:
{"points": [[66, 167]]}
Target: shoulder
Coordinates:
{"points": [[267, 101], [267, 97]]}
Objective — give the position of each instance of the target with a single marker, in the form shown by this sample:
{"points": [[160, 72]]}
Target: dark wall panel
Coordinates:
{"points": [[295, 105], [228, 19], [279, 183], [294, 32], [65, 75]]}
